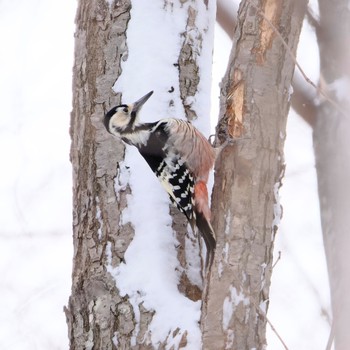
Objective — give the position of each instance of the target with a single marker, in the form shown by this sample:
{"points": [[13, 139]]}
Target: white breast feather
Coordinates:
{"points": [[138, 138]]}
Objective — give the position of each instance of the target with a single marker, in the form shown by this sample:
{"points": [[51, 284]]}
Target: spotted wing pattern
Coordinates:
{"points": [[171, 170]]}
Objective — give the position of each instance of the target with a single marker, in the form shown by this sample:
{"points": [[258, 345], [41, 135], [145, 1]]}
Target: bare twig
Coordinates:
{"points": [[278, 259], [263, 314], [331, 337]]}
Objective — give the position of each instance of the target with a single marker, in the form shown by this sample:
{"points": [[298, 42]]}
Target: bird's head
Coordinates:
{"points": [[122, 119]]}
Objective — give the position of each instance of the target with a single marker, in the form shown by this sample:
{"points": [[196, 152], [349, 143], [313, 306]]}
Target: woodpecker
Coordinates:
{"points": [[178, 154]]}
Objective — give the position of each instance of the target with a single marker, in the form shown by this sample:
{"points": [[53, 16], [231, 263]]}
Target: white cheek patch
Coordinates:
{"points": [[120, 121]]}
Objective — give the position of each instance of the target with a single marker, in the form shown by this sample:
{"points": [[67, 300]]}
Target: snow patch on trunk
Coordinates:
{"points": [[151, 271], [277, 208], [230, 304]]}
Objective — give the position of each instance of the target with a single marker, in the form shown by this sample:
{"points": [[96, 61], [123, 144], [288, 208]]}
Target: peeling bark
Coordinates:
{"points": [[254, 108], [302, 100]]}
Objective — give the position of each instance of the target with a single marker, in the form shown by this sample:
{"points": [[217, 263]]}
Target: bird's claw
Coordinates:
{"points": [[213, 140]]}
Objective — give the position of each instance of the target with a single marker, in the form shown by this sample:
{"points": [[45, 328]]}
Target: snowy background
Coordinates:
{"points": [[35, 189]]}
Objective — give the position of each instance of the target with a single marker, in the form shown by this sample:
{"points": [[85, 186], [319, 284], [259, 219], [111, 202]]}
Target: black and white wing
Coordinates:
{"points": [[170, 168]]}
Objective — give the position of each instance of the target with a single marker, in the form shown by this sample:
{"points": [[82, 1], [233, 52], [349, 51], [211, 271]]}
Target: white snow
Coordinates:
{"points": [[277, 208], [263, 306], [341, 88], [151, 273], [290, 92], [202, 102], [230, 303], [122, 179], [224, 258], [193, 268], [151, 58], [228, 222], [110, 2], [115, 339], [229, 339], [98, 217]]}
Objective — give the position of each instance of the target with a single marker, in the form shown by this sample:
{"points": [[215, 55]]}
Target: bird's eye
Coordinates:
{"points": [[126, 110]]}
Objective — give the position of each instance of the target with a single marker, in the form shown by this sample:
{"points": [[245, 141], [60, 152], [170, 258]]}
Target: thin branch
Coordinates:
{"points": [[331, 337], [278, 259], [263, 314]]}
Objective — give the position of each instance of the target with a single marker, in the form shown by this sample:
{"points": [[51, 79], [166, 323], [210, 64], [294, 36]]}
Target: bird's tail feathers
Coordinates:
{"points": [[208, 235]]}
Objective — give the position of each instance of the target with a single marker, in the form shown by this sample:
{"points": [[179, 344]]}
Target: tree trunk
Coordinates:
{"points": [[255, 96], [332, 152], [102, 313], [96, 310]]}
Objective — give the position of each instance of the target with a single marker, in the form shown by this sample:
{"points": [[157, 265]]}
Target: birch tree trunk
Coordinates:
{"points": [[99, 315], [332, 151], [255, 96]]}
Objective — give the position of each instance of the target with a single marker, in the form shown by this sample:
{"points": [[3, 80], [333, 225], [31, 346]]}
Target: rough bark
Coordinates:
{"points": [[98, 316], [255, 96], [332, 151], [189, 78], [95, 310]]}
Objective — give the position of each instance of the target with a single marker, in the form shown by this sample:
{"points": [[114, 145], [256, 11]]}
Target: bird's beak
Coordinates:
{"points": [[139, 103]]}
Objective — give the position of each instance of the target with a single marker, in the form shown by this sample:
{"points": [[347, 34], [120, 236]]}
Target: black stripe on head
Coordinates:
{"points": [[111, 113], [130, 126], [108, 117]]}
